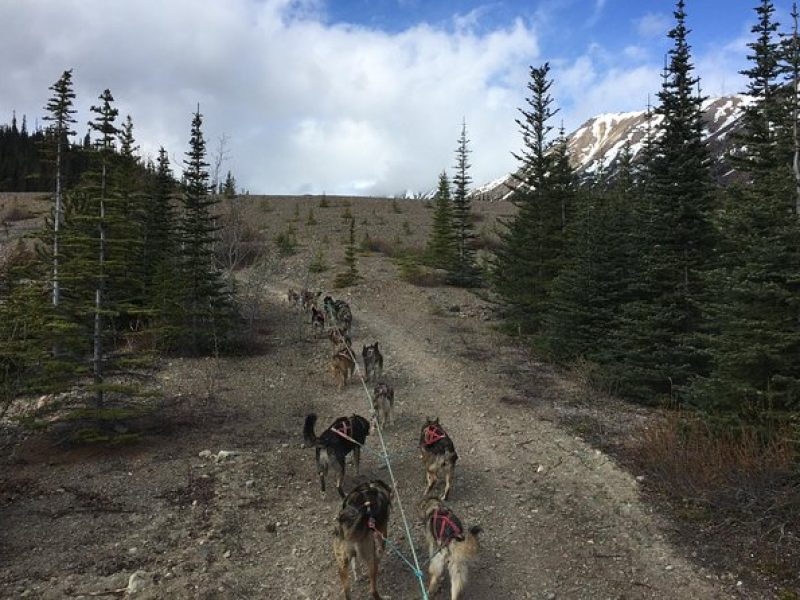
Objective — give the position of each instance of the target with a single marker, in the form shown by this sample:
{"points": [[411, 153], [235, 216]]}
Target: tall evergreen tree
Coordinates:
{"points": [[531, 250], [441, 248], [755, 312], [762, 120], [60, 114], [662, 350], [86, 242], [126, 241], [206, 303], [463, 272]]}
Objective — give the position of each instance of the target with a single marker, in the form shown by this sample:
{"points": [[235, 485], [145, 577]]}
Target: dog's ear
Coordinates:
{"points": [[437, 421], [376, 345]]}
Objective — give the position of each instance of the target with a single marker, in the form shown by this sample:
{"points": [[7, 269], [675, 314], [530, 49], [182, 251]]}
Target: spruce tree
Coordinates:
{"points": [[531, 248], [229, 187], [206, 302], [755, 313], [86, 244], [661, 333], [126, 233], [463, 272], [60, 111], [441, 248], [163, 277], [601, 267], [350, 276], [762, 120]]}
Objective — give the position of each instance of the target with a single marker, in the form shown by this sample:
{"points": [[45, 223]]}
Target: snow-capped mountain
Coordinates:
{"points": [[595, 146]]}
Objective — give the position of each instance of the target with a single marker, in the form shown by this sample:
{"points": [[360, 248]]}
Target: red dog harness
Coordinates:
{"points": [[433, 433], [446, 527]]}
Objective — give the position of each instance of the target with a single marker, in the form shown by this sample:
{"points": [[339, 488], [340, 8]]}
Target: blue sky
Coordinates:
{"points": [[355, 96]]}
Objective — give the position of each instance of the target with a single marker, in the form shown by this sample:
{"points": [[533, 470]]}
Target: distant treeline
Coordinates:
{"points": [[23, 166]]}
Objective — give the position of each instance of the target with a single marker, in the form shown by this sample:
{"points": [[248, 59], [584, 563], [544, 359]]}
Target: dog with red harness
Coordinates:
{"points": [[345, 435], [438, 455], [361, 531], [450, 546]]}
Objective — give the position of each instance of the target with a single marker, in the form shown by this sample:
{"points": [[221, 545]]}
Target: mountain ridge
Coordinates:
{"points": [[594, 147]]}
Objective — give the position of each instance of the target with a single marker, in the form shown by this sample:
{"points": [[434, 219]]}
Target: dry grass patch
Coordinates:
{"points": [[728, 485]]}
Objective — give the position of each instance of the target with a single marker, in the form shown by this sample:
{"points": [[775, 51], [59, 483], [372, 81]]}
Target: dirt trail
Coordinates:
{"points": [[560, 519]]}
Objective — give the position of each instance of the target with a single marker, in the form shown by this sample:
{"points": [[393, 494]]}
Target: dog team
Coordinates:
{"points": [[362, 524]]}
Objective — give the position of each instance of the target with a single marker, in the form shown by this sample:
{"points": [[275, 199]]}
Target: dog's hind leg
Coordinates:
{"points": [[340, 474], [435, 570], [458, 570], [431, 478], [372, 561], [322, 468], [448, 479], [343, 561]]}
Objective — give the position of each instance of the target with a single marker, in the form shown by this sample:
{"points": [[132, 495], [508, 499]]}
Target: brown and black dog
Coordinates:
{"points": [[450, 546], [339, 339], [438, 454], [360, 532], [345, 435], [317, 321], [383, 402]]}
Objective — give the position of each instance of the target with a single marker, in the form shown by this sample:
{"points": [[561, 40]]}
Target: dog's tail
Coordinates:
{"points": [[308, 430], [471, 545]]}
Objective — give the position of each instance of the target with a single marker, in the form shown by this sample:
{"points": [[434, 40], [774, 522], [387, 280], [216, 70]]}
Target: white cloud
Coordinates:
{"points": [[653, 25], [307, 106]]}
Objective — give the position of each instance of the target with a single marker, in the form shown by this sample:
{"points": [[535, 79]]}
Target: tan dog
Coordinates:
{"points": [[342, 366], [361, 530], [450, 547], [438, 454]]}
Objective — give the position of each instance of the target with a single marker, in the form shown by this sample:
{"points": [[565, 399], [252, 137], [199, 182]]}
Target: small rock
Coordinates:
{"points": [[138, 582], [133, 550], [669, 567], [205, 454], [540, 468], [225, 454], [249, 483], [227, 554], [640, 478], [550, 596]]}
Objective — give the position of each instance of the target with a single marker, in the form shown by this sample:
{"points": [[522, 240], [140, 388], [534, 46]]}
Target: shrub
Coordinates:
{"points": [[286, 242], [318, 264]]}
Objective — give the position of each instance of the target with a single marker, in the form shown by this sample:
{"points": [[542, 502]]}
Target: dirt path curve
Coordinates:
{"points": [[561, 520]]}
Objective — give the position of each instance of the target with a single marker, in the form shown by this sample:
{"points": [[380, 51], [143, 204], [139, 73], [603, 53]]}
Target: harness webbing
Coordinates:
{"points": [[446, 527], [345, 429], [433, 433]]}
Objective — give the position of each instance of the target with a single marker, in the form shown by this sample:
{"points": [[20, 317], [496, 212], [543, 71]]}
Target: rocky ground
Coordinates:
{"points": [[219, 499]]}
